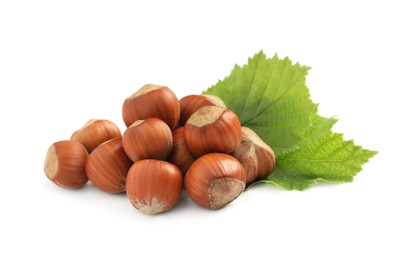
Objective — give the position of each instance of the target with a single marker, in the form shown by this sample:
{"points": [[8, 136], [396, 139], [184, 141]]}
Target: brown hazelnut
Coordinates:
{"points": [[214, 180], [212, 129], [107, 166], [153, 186], [95, 132], [180, 156], [257, 158], [190, 104], [148, 139], [152, 101], [65, 164]]}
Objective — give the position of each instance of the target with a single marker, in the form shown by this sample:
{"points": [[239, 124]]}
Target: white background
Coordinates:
{"points": [[64, 62]]}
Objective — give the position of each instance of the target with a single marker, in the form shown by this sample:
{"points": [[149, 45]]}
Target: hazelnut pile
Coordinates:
{"points": [[195, 142]]}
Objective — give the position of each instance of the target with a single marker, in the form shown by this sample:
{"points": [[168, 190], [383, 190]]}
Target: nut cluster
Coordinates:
{"points": [[194, 143]]}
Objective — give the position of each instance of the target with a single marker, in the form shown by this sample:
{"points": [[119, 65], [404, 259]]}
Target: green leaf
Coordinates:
{"points": [[323, 156], [269, 95]]}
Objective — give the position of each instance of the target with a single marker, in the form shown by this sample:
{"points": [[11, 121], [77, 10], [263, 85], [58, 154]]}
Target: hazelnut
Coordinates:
{"points": [[152, 101], [212, 129], [180, 156], [148, 139], [214, 180], [153, 186], [95, 132], [190, 104], [65, 164], [107, 166], [257, 158]]}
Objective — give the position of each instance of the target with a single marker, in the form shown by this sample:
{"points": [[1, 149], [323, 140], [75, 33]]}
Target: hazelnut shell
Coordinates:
{"points": [[148, 139], [257, 158], [180, 156], [95, 132], [190, 104], [153, 186], [65, 164], [214, 180], [152, 101], [212, 129], [107, 166]]}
